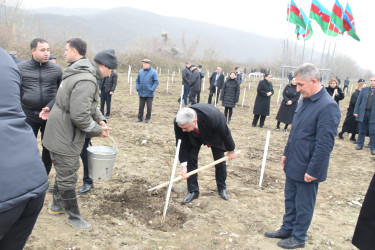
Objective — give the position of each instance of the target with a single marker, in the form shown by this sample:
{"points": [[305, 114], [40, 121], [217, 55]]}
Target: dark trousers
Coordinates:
{"points": [[198, 96], [220, 169], [32, 118], [105, 99], [212, 92], [85, 162], [300, 200], [142, 102], [226, 113], [256, 118], [193, 96], [363, 128], [345, 87], [16, 224]]}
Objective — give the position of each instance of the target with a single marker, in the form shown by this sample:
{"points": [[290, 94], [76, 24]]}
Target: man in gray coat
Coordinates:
{"points": [[74, 114]]}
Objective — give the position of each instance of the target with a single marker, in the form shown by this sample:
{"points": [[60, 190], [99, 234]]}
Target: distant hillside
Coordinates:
{"points": [[126, 29]]}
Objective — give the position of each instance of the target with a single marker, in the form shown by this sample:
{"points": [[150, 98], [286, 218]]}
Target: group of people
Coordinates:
{"points": [[69, 101]]}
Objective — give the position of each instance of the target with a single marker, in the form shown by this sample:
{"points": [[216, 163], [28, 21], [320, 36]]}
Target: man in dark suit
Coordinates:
{"points": [[364, 111], [203, 124], [194, 84], [107, 88], [306, 155], [216, 81]]}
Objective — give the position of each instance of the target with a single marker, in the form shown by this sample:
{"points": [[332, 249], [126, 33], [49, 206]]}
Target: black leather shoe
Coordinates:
{"points": [[50, 189], [85, 188], [367, 145], [147, 120], [253, 125], [373, 152], [277, 234], [291, 243], [358, 147], [261, 126], [223, 194], [340, 136], [138, 120], [191, 196]]}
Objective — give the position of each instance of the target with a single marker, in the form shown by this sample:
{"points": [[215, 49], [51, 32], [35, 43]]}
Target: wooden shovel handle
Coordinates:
{"points": [[191, 173]]}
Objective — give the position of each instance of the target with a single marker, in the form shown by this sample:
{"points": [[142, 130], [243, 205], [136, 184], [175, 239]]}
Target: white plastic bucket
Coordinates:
{"points": [[101, 160]]}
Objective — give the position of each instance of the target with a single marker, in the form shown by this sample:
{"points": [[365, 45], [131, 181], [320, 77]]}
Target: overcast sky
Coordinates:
{"points": [[265, 17]]}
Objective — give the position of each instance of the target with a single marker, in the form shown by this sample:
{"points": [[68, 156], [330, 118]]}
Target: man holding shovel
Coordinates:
{"points": [[203, 124]]}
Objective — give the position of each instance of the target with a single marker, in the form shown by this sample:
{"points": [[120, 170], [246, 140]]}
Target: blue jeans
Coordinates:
{"points": [[363, 126], [300, 200]]}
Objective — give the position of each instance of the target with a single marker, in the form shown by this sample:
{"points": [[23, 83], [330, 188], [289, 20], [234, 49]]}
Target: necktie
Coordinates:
{"points": [[196, 131]]}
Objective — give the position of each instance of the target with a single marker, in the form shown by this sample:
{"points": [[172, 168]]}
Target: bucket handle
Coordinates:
{"points": [[113, 142]]}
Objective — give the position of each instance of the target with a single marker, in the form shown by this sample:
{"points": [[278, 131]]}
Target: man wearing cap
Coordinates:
{"points": [[146, 84], [14, 56], [194, 84], [201, 76], [52, 59], [74, 114], [40, 80], [364, 111]]}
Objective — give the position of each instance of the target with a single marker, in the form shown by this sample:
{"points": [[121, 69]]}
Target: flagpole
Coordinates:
{"points": [[312, 52], [303, 51], [324, 46]]}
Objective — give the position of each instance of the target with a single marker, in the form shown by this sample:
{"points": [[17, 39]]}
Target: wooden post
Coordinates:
{"points": [[244, 93], [264, 157], [131, 84]]}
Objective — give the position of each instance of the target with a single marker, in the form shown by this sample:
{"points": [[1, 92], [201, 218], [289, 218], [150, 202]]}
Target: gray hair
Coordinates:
{"points": [[185, 115], [307, 71]]}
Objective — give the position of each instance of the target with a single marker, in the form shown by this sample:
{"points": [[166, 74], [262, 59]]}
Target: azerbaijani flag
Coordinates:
{"points": [[295, 15], [337, 15], [348, 23], [320, 14], [306, 32], [333, 30]]}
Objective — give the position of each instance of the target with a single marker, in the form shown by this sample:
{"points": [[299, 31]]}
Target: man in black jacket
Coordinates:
{"points": [[194, 84], [40, 80], [185, 83], [107, 88], [23, 178], [201, 75], [203, 124], [216, 82]]}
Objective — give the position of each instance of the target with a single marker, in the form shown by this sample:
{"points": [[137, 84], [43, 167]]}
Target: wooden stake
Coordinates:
{"points": [[264, 157], [171, 181]]}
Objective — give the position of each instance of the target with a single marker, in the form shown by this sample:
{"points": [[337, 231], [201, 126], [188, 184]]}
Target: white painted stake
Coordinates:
{"points": [[167, 85], [172, 77], [131, 84], [351, 88], [182, 94], [159, 71], [278, 96], [171, 181], [129, 71], [244, 93], [215, 96], [264, 157], [179, 71]]}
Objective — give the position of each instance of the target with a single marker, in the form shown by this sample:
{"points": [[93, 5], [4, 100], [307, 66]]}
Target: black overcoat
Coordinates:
{"points": [[339, 96], [262, 101], [230, 93], [286, 112], [364, 234], [350, 124]]}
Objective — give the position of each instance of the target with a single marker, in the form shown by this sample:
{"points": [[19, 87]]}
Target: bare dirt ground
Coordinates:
{"points": [[125, 216]]}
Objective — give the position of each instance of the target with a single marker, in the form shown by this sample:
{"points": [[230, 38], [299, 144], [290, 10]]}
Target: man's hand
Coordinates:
{"points": [[283, 159], [269, 93], [111, 93], [231, 155], [309, 178], [106, 129], [44, 113], [355, 115], [183, 172], [289, 102]]}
